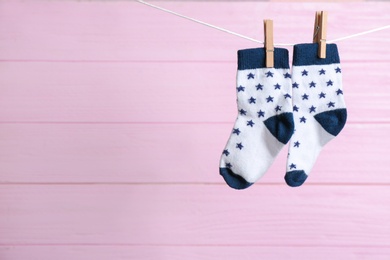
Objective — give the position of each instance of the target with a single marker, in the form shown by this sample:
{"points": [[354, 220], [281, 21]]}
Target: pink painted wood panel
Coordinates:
{"points": [[158, 92], [95, 252], [170, 153], [113, 116], [197, 215], [101, 30]]}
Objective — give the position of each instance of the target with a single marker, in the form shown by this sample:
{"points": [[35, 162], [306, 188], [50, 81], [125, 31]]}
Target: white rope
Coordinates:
{"points": [[251, 39], [209, 25], [359, 34]]}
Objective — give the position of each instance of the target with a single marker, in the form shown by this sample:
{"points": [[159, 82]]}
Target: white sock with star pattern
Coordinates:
{"points": [[319, 108], [264, 123]]}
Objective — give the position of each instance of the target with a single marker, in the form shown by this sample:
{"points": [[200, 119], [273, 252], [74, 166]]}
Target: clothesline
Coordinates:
{"points": [[252, 39]]}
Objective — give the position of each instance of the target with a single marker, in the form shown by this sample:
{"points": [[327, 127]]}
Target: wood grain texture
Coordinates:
{"points": [[333, 216], [170, 153], [113, 116], [166, 252], [157, 92], [123, 30]]}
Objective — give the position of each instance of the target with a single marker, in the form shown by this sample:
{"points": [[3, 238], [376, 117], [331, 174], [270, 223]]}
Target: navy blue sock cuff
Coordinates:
{"points": [[255, 59], [307, 54]]}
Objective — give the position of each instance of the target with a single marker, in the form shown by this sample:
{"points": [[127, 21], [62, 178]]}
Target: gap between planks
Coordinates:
{"points": [[155, 123], [185, 184], [185, 245], [160, 61]]}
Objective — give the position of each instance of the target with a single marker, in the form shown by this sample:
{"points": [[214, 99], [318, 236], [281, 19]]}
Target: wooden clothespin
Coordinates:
{"points": [[269, 43], [320, 29]]}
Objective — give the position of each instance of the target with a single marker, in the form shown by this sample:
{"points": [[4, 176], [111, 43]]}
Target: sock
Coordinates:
{"points": [[264, 123], [318, 107]]}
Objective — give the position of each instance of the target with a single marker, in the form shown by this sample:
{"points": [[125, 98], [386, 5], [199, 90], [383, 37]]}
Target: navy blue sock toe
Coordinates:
{"points": [[295, 178], [233, 180]]}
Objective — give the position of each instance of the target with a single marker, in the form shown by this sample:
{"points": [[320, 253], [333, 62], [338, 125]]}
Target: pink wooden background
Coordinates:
{"points": [[113, 116]]}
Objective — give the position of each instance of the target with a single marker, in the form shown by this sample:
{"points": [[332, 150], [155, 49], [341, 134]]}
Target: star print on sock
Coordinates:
{"points": [[270, 99], [250, 123], [260, 113], [236, 131], [322, 114], [295, 108], [252, 100], [240, 88], [264, 123], [259, 87], [295, 85]]}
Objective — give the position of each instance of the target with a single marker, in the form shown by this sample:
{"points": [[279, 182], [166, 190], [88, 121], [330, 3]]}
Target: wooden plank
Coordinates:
{"points": [[170, 153], [107, 155], [104, 252], [76, 30], [197, 215], [157, 92]]}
